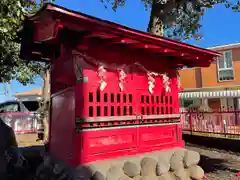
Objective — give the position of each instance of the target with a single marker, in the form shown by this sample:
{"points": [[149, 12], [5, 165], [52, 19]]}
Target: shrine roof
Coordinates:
{"points": [[48, 21]]}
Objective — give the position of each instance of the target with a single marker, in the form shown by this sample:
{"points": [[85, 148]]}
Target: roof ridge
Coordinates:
{"points": [[30, 92], [225, 45]]}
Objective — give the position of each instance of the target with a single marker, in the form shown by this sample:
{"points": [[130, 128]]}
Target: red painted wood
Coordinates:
{"points": [[63, 126], [60, 18], [88, 22], [105, 144], [97, 144], [45, 31]]}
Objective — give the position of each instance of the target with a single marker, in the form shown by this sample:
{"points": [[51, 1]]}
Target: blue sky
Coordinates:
{"points": [[220, 26]]}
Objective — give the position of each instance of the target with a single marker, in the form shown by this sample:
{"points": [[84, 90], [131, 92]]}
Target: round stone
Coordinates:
{"points": [[162, 167], [191, 158], [196, 172], [130, 169], [148, 167], [176, 160]]}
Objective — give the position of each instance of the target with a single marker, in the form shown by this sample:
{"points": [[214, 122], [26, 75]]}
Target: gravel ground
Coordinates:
{"points": [[218, 164], [27, 140]]}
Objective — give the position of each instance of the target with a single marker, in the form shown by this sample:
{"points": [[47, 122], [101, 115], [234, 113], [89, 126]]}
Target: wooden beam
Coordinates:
{"points": [[134, 44], [117, 55], [121, 41], [190, 63], [100, 35], [157, 49], [128, 45], [44, 31]]}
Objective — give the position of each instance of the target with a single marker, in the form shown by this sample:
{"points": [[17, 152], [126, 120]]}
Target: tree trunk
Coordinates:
{"points": [[46, 127], [46, 96], [159, 16], [155, 24]]}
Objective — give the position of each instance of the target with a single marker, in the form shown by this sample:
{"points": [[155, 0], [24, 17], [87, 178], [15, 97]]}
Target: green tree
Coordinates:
{"points": [[12, 14], [179, 19]]}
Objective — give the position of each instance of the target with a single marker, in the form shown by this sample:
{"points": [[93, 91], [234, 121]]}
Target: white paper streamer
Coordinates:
{"points": [[166, 83], [102, 76], [122, 76], [151, 81]]}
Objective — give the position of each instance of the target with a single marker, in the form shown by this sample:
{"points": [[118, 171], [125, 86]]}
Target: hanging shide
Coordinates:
{"points": [[102, 76], [122, 71]]}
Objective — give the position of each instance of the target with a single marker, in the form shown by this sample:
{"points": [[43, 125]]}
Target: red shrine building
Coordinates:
{"points": [[114, 90]]}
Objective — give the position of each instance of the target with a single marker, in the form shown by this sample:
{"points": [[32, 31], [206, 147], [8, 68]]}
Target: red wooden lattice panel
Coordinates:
{"points": [[134, 100], [109, 104], [156, 104]]}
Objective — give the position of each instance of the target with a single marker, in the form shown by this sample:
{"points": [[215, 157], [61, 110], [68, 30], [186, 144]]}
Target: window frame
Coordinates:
{"points": [[222, 69], [4, 106], [182, 103], [13, 103]]}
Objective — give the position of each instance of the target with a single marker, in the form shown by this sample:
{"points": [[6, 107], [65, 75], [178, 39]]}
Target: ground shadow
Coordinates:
{"points": [[33, 155], [211, 165], [212, 142]]}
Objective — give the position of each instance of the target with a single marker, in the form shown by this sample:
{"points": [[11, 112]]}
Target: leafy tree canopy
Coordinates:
{"points": [[12, 14], [180, 18]]}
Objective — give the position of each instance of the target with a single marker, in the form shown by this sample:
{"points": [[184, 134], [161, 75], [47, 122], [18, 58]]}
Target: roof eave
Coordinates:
{"points": [[225, 47], [117, 27], [142, 37]]}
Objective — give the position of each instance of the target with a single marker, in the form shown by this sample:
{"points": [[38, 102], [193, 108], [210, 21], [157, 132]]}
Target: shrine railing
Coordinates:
{"points": [[224, 123], [21, 122]]}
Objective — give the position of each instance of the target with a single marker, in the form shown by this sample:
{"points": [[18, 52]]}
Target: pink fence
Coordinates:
{"points": [[21, 122], [218, 122]]}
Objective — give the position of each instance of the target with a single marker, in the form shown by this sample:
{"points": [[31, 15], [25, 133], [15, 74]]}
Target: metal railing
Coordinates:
{"points": [[21, 122], [222, 122]]}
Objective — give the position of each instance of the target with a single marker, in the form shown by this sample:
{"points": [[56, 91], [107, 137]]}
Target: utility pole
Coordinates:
{"points": [[7, 90]]}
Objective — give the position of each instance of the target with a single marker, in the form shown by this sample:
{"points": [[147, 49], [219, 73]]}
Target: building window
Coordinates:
{"points": [[185, 103], [225, 67]]}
